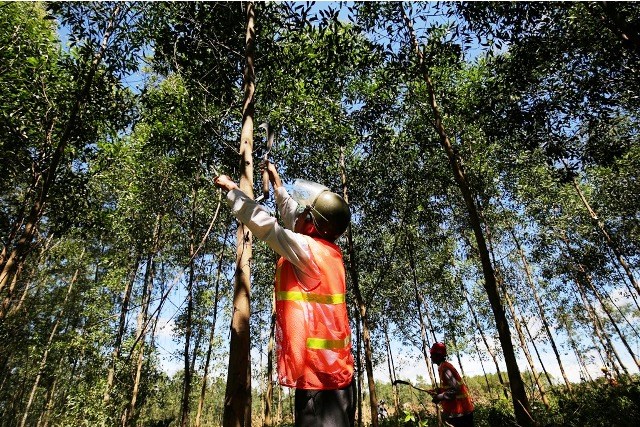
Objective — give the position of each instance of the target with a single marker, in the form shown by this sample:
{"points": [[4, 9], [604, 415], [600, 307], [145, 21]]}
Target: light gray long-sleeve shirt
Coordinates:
{"points": [[287, 243]]}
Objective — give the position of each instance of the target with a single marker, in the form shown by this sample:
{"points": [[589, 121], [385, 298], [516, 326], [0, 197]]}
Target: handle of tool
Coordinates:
{"points": [[265, 184]]}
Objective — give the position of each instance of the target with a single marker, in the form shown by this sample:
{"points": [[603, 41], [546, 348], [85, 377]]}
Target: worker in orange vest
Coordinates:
{"points": [[313, 337], [453, 394]]}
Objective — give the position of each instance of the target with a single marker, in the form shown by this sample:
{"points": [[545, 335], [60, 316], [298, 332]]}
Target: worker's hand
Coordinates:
{"points": [[274, 177], [224, 182], [436, 398]]}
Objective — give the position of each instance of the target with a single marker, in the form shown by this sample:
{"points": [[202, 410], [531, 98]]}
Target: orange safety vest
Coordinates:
{"points": [[313, 337], [462, 404]]}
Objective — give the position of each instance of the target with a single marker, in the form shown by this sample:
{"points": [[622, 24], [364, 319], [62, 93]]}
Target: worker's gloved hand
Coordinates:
{"points": [[437, 398]]}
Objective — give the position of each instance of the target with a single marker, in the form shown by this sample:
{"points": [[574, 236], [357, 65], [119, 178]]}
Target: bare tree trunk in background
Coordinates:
{"points": [[572, 342], [366, 336], [268, 396], [46, 414], [525, 349], [519, 397], [11, 263], [603, 230], [117, 346], [541, 311], [485, 341], [424, 347], [237, 400], [579, 277], [603, 337], [392, 372], [484, 371], [360, 379], [604, 308], [141, 329], [532, 340], [205, 375], [423, 330], [188, 370], [514, 315], [43, 359], [15, 309]]}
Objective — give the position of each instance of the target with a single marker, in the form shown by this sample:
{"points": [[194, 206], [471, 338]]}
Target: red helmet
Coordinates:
{"points": [[438, 348]]}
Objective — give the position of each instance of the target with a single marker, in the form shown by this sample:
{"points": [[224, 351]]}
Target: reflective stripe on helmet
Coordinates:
{"points": [[309, 297], [324, 344]]}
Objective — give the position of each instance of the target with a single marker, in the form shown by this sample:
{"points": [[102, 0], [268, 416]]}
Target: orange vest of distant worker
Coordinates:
{"points": [[462, 404], [313, 337]]}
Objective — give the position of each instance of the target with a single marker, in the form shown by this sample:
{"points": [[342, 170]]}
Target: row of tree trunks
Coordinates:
{"points": [[214, 318], [541, 311], [613, 246], [138, 348], [518, 392], [514, 316], [122, 322], [47, 349], [16, 249]]}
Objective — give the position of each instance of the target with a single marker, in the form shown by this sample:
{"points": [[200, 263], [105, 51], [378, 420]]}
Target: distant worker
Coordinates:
{"points": [[313, 336], [453, 394], [383, 413]]}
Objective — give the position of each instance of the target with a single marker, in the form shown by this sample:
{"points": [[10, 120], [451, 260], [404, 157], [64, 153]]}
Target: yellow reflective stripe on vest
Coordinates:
{"points": [[323, 344], [307, 297]]}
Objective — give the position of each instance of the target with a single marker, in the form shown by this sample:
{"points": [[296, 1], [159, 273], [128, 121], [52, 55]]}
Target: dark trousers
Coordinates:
{"points": [[463, 421], [325, 408]]}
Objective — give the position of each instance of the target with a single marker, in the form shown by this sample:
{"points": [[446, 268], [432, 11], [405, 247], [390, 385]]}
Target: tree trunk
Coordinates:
{"points": [[43, 360], [608, 348], [574, 347], [610, 317], [525, 350], [541, 311], [237, 401], [203, 388], [360, 379], [141, 330], [580, 275], [515, 317], [188, 372], [518, 392], [485, 341], [424, 347], [46, 414], [392, 372], [484, 371], [603, 230], [117, 346], [366, 338], [11, 264], [535, 348], [268, 395]]}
